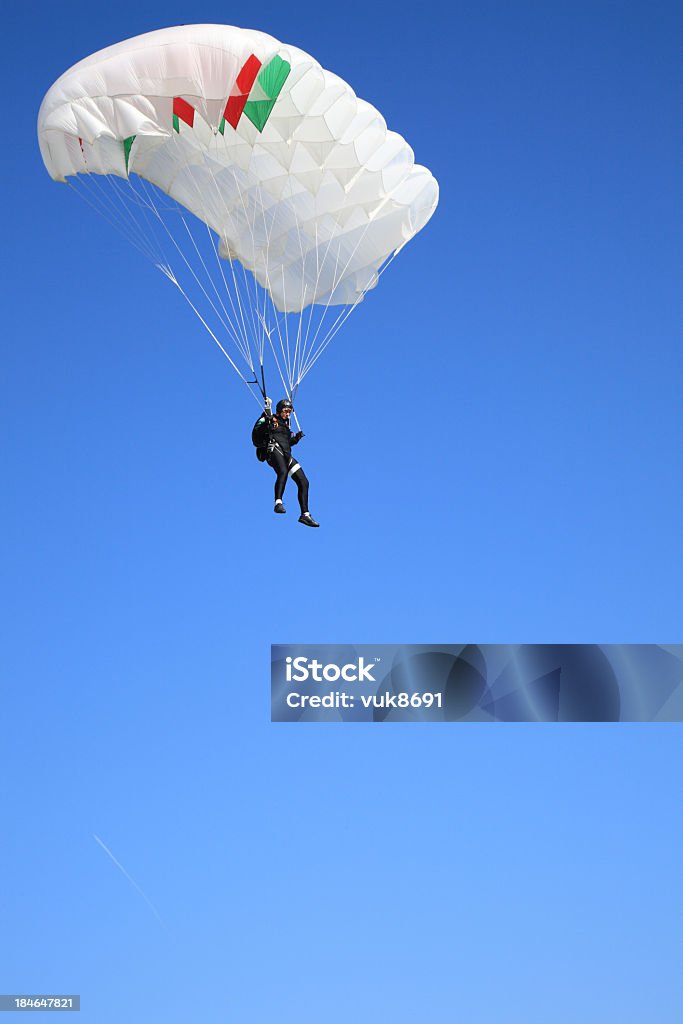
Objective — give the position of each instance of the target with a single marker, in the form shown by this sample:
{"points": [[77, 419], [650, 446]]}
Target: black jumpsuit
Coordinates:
{"points": [[279, 456]]}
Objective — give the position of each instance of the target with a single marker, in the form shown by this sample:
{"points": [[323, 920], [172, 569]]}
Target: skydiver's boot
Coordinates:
{"points": [[279, 507], [307, 519]]}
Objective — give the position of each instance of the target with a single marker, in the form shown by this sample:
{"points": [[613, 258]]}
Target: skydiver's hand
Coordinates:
{"points": [[299, 434], [269, 406]]}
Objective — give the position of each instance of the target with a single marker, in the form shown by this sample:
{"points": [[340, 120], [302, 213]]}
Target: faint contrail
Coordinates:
{"points": [[126, 875]]}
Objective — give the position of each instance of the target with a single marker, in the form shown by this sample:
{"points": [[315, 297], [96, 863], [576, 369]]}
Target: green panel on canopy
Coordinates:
{"points": [[127, 146], [267, 88]]}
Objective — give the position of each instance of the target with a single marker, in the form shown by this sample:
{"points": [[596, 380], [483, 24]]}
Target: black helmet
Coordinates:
{"points": [[284, 403]]}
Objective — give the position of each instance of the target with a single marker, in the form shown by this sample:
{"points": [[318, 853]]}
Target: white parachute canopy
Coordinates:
{"points": [[304, 193]]}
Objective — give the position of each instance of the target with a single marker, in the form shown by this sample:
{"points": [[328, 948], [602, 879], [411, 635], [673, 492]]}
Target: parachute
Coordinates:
{"points": [[256, 181]]}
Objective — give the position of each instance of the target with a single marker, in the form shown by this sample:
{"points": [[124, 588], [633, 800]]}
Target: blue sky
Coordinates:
{"points": [[493, 446]]}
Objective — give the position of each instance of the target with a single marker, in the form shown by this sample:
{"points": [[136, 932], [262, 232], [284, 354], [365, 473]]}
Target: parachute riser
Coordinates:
{"points": [[291, 397], [260, 384]]}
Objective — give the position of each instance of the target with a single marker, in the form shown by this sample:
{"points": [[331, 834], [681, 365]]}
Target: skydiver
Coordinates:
{"points": [[274, 441]]}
